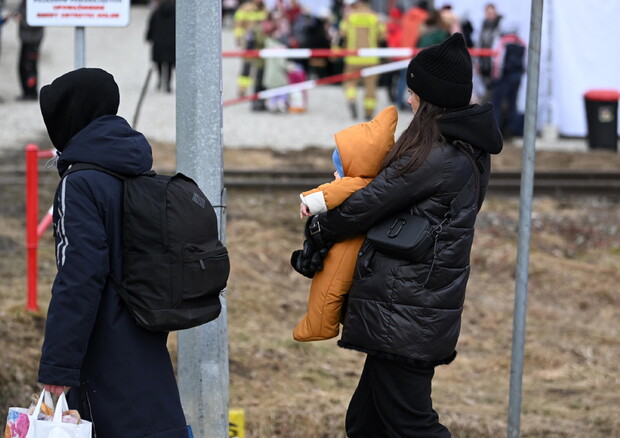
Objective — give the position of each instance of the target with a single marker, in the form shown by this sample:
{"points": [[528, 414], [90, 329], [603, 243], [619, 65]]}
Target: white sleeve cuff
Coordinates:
{"points": [[315, 202]]}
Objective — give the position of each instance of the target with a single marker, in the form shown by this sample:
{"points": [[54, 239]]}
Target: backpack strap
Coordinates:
{"points": [[76, 167], [89, 166]]}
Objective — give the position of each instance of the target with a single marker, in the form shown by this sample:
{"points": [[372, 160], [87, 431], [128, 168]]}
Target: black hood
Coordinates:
{"points": [[72, 101], [475, 125], [109, 142]]}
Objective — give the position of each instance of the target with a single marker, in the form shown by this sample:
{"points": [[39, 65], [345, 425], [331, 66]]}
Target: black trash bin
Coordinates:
{"points": [[602, 116]]}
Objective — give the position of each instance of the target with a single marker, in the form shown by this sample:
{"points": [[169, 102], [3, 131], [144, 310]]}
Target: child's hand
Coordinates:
{"points": [[304, 211]]}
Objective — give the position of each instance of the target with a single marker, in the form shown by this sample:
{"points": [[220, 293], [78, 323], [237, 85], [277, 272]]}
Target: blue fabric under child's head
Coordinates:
{"points": [[338, 162]]}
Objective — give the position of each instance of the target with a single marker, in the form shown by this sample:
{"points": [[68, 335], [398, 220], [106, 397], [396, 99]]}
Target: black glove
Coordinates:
{"points": [[312, 231]]}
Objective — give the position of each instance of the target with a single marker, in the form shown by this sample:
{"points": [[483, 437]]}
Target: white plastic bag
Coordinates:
{"points": [[56, 428], [18, 419]]}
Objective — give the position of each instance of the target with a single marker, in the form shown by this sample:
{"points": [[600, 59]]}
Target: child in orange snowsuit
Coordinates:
{"points": [[360, 150]]}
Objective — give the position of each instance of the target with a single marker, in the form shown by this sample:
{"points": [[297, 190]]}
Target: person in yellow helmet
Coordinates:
{"points": [[248, 33], [361, 27]]}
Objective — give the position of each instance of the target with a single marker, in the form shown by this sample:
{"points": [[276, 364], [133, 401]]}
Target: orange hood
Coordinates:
{"points": [[363, 147]]}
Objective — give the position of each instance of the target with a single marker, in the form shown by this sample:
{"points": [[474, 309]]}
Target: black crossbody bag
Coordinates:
{"points": [[408, 237]]}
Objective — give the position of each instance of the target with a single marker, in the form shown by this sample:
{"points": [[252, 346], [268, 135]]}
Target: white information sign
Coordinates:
{"points": [[78, 13]]}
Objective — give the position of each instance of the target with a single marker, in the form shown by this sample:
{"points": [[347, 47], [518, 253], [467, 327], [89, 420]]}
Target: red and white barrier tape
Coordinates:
{"points": [[388, 52], [307, 85]]}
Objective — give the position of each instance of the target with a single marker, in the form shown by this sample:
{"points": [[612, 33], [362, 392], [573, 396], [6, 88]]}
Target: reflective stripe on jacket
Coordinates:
{"points": [[362, 30]]}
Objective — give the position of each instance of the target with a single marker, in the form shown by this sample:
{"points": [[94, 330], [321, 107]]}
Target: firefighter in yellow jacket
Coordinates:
{"points": [[358, 158], [249, 35], [361, 28]]}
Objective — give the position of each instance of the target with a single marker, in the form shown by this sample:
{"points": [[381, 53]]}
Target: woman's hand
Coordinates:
{"points": [[55, 389], [304, 211]]}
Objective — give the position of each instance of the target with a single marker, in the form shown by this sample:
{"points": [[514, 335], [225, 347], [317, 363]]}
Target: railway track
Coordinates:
{"points": [[551, 183]]}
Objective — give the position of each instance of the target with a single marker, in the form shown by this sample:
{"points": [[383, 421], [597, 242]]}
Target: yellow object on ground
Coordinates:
{"points": [[236, 422]]}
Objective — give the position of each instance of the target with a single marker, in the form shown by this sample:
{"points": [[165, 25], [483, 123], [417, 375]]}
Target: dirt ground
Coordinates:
{"points": [[301, 390]]}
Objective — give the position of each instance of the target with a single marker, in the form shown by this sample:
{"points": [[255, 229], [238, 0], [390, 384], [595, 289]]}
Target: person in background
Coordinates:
{"points": [[297, 100], [453, 22], [292, 10], [361, 27], [489, 34], [394, 28], [406, 315], [161, 33], [508, 67], [278, 16], [2, 20], [249, 36], [393, 39], [317, 37], [434, 30], [276, 73], [468, 30], [412, 23], [300, 33], [120, 375], [228, 12], [30, 38]]}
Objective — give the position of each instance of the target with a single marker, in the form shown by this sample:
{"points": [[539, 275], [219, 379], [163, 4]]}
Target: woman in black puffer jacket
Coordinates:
{"points": [[406, 315]]}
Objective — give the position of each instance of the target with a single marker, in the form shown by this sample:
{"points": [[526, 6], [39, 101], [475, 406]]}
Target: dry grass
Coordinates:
{"points": [[289, 389]]}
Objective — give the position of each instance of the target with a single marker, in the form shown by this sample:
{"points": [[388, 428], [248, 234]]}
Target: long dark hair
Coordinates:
{"points": [[418, 139]]}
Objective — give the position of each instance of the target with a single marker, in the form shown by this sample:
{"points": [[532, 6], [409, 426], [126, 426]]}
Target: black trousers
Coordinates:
{"points": [[505, 93], [165, 69], [393, 400], [28, 59]]}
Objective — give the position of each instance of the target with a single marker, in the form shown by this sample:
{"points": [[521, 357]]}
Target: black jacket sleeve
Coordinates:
{"points": [[83, 267], [387, 194]]}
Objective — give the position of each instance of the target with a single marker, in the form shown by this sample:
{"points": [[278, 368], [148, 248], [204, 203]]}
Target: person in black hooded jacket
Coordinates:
{"points": [[406, 315], [161, 32], [120, 375]]}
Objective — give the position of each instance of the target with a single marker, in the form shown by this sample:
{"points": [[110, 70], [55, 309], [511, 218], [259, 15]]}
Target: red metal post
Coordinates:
{"points": [[32, 212]]}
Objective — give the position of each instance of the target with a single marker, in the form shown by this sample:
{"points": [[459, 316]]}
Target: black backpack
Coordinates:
{"points": [[174, 265]]}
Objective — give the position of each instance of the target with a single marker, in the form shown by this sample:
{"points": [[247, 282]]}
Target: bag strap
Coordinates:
{"points": [[472, 185], [456, 205], [47, 396], [90, 166], [461, 197], [61, 406]]}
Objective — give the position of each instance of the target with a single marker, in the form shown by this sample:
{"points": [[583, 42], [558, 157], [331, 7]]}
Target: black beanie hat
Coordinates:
{"points": [[75, 99], [442, 74]]}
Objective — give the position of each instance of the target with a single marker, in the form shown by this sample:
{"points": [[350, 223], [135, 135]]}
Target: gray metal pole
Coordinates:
{"points": [[80, 47], [202, 351], [525, 219]]}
